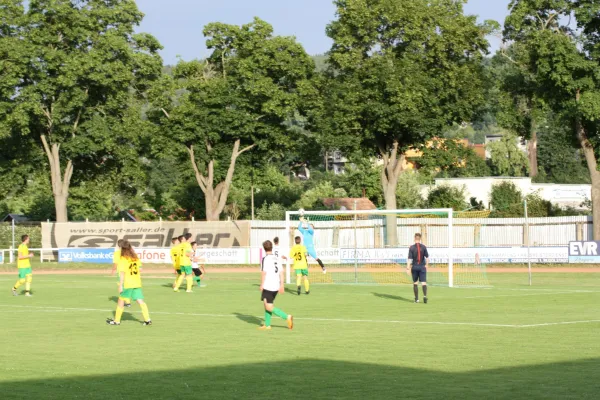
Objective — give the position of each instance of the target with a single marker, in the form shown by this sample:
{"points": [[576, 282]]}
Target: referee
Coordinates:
{"points": [[418, 261]]}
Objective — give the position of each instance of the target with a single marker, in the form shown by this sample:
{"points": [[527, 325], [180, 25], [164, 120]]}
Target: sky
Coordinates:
{"points": [[178, 24]]}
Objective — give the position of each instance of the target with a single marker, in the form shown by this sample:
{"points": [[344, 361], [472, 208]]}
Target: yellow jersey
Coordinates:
{"points": [[184, 258], [298, 254], [23, 251], [175, 256], [131, 268], [116, 256]]}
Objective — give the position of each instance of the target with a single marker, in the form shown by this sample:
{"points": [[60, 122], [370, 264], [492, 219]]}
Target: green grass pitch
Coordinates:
{"points": [[350, 342]]}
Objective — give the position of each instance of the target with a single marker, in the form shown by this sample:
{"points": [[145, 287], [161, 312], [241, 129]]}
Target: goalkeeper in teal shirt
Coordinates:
{"points": [[308, 235]]}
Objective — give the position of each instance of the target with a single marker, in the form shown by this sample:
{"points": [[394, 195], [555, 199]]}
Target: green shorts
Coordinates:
{"points": [[132, 294], [303, 272], [186, 269], [23, 272]]}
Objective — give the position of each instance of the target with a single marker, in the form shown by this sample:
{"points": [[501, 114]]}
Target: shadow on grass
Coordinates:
{"points": [[331, 380], [253, 320], [392, 297]]}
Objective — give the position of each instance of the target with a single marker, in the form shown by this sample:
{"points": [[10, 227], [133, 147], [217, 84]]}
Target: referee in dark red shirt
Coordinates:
{"points": [[418, 261]]}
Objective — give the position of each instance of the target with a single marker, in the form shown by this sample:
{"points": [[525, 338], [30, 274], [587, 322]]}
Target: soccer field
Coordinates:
{"points": [[350, 342]]}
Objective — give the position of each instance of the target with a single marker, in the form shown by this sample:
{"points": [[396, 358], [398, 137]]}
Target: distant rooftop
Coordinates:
{"points": [[347, 203]]}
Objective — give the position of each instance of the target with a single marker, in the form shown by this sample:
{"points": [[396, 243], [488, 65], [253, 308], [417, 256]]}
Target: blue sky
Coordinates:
{"points": [[178, 24]]}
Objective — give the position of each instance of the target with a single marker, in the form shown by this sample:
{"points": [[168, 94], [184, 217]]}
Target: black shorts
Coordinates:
{"points": [[197, 271], [419, 274], [268, 295]]}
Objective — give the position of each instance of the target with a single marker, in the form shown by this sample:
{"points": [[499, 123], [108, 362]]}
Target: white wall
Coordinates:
{"points": [[480, 188]]}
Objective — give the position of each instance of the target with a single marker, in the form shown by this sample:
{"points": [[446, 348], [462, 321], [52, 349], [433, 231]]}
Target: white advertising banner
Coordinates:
{"points": [[501, 255], [213, 256]]}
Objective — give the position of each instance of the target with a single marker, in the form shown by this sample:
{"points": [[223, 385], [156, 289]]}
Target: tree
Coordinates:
{"points": [[399, 72], [409, 191], [519, 107], [447, 197], [449, 158], [559, 155], [507, 158], [235, 101], [505, 196], [565, 57], [83, 63]]}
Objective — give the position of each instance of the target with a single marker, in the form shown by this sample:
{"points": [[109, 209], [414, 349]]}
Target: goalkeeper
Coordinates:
{"points": [[308, 232]]}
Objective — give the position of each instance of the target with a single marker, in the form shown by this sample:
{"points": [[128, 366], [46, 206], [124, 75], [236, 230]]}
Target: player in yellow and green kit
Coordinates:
{"points": [[298, 256], [115, 260], [185, 262], [130, 284], [175, 258], [24, 266]]}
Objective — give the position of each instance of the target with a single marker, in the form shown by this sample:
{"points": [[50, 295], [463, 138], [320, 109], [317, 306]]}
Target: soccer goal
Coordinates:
{"points": [[371, 247]]}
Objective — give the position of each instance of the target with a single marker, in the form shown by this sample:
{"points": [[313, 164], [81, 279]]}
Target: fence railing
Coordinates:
{"points": [[467, 232]]}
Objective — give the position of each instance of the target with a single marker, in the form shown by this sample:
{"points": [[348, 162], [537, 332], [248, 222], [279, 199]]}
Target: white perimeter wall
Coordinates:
{"points": [[480, 188]]}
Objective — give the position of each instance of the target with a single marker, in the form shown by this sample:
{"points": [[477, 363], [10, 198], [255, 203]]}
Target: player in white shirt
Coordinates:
{"points": [[270, 285], [278, 253], [198, 260]]}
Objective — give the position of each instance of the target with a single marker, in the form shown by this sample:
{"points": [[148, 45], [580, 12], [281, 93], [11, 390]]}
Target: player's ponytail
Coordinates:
{"points": [[128, 252]]}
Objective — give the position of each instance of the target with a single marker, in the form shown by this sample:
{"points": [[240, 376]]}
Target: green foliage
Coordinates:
{"points": [[559, 157], [449, 158], [312, 198], [408, 193], [400, 72], [80, 68], [505, 195], [507, 158], [241, 97], [271, 212], [447, 196]]}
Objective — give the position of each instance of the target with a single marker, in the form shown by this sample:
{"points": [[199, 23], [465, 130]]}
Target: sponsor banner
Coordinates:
{"points": [[487, 255], [584, 252], [157, 234], [230, 256], [96, 256]]}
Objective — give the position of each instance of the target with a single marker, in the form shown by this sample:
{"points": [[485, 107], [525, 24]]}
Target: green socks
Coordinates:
{"points": [[280, 313], [268, 315]]}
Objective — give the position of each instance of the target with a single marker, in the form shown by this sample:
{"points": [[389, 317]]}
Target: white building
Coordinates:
{"points": [[562, 195]]}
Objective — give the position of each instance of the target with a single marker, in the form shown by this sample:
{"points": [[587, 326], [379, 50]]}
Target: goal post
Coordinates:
{"points": [[360, 246]]}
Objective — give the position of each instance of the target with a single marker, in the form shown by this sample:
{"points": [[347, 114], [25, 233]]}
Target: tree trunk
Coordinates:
{"points": [[60, 183], [532, 152], [215, 197], [392, 168], [592, 164]]}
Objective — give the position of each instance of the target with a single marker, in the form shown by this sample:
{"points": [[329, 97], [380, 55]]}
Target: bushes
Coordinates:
{"points": [[447, 197], [504, 196], [408, 193]]}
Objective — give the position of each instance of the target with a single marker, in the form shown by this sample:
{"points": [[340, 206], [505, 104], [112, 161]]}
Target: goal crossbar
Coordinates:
{"points": [[292, 217]]}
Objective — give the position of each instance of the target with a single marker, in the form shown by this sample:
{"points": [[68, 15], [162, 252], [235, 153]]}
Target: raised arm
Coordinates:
{"points": [[301, 228]]}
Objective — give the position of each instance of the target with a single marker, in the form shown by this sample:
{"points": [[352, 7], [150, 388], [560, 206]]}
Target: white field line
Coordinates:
{"points": [[531, 294], [370, 321]]}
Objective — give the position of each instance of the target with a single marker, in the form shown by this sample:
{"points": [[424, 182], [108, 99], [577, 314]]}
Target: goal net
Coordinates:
{"points": [[371, 247]]}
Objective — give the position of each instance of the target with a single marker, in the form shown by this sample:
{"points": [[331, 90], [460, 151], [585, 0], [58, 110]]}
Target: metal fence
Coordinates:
{"points": [[468, 232]]}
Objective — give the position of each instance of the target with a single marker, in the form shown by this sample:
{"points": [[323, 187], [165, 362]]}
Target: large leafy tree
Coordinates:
{"points": [[400, 71], [78, 65], [564, 55], [237, 100]]}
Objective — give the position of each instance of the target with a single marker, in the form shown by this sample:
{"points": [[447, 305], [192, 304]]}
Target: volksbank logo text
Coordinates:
{"points": [[584, 252]]}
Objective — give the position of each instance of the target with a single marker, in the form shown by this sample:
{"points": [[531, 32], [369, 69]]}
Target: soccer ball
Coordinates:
{"points": [[301, 212]]}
